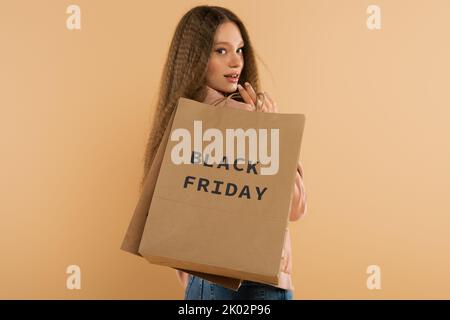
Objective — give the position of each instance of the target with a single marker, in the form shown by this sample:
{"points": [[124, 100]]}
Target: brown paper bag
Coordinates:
{"points": [[196, 223], [133, 235]]}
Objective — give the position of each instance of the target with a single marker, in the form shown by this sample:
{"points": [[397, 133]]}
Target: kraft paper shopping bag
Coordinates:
{"points": [[224, 218]]}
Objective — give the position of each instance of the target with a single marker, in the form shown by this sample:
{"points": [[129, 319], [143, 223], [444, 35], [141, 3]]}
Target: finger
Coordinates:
{"points": [[266, 106], [244, 106], [259, 103], [275, 109], [251, 92], [239, 105], [244, 94]]}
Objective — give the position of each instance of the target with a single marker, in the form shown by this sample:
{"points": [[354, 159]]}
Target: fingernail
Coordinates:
{"points": [[247, 84], [239, 86]]}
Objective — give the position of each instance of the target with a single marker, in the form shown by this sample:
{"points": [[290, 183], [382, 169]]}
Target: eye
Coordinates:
{"points": [[219, 50]]}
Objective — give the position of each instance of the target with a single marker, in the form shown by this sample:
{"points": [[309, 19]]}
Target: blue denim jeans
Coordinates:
{"points": [[200, 289]]}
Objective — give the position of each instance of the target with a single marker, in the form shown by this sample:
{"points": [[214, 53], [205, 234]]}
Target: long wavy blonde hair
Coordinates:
{"points": [[184, 73]]}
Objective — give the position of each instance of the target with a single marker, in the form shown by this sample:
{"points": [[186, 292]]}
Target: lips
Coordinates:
{"points": [[232, 75]]}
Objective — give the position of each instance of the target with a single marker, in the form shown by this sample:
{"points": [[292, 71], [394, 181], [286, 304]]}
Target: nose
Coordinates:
{"points": [[236, 60]]}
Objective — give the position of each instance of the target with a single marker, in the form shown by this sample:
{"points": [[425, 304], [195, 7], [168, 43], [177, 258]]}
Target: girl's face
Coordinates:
{"points": [[226, 59]]}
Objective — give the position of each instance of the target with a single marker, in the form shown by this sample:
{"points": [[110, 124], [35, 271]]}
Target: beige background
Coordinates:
{"points": [[76, 108]]}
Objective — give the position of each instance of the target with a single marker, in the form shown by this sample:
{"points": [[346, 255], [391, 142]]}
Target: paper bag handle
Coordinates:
{"points": [[260, 99]]}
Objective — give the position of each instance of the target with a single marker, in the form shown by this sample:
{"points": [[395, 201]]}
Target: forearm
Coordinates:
{"points": [[182, 278]]}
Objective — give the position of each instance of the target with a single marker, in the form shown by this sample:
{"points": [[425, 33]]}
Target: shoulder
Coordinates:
{"points": [[212, 95]]}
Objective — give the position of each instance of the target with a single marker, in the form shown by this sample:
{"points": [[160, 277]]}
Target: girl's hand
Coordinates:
{"points": [[249, 95]]}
